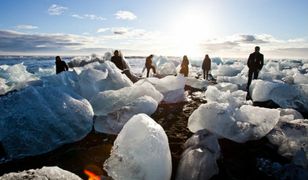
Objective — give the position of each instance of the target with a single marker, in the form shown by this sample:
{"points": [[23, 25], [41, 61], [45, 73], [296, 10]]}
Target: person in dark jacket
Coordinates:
{"points": [[206, 66], [149, 65], [60, 65], [255, 63], [118, 60], [184, 66]]}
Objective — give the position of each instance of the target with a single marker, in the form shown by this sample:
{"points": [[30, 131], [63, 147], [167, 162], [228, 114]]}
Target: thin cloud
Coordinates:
{"points": [[100, 30], [56, 10], [26, 27], [89, 16], [119, 30], [125, 15]]}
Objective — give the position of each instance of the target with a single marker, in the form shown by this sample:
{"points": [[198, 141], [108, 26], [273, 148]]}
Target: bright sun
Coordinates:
{"points": [[189, 29]]}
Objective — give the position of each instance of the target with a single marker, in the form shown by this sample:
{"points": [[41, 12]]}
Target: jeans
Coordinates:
{"points": [[251, 73]]}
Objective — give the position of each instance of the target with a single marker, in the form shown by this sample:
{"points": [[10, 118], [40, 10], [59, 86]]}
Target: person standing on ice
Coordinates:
{"points": [[60, 65], [206, 66], [255, 63], [118, 60], [149, 65], [184, 66]]}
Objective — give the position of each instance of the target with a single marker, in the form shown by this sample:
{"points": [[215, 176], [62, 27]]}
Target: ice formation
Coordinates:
{"points": [[240, 125], [51, 173], [36, 115], [197, 83], [290, 134], [226, 87], [120, 105], [228, 70], [235, 99], [172, 87], [238, 79], [141, 151], [14, 77], [285, 95], [198, 161], [164, 66]]}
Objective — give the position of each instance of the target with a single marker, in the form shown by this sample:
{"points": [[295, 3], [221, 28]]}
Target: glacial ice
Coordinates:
{"points": [[141, 151], [226, 87], [228, 70], [110, 101], [238, 79], [45, 173], [120, 105], [164, 66], [285, 95], [36, 115], [172, 87], [15, 77], [235, 99], [290, 134], [198, 161], [240, 125], [197, 83]]}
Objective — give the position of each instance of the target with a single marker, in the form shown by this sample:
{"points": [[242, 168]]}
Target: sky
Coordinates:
{"points": [[225, 28]]}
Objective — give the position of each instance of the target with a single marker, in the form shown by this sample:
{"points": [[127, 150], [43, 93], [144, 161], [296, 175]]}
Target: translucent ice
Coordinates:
{"points": [[35, 115], [172, 87], [16, 77], [291, 137], [285, 95], [164, 66], [240, 125], [141, 151], [52, 173], [198, 161], [197, 83]]}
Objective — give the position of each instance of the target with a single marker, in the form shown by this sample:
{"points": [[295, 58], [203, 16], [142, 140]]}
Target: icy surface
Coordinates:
{"points": [[235, 99], [228, 70], [14, 78], [172, 87], [240, 125], [285, 95], [36, 115], [164, 66], [197, 83], [45, 173], [291, 136], [113, 122], [198, 161], [141, 151]]}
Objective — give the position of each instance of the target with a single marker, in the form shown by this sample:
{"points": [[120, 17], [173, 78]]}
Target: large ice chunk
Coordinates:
{"points": [[51, 173], [36, 120], [164, 66], [112, 100], [199, 159], [141, 151], [239, 80], [240, 125], [285, 95], [113, 122], [291, 137], [172, 87], [228, 70], [16, 77], [197, 83]]}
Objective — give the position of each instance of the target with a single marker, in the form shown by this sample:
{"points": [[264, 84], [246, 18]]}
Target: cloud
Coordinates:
{"points": [[125, 15], [89, 16], [26, 27], [12, 41], [100, 30], [120, 30], [56, 10]]}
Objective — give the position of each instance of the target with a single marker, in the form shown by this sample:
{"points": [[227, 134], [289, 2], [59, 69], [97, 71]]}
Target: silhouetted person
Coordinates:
{"points": [[60, 65], [255, 63], [118, 60], [206, 66], [149, 65], [184, 66]]}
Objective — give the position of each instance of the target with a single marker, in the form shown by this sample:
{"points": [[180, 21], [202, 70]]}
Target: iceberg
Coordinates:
{"points": [[240, 124], [52, 173], [199, 159], [14, 77], [141, 151], [35, 115], [285, 95], [172, 87]]}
